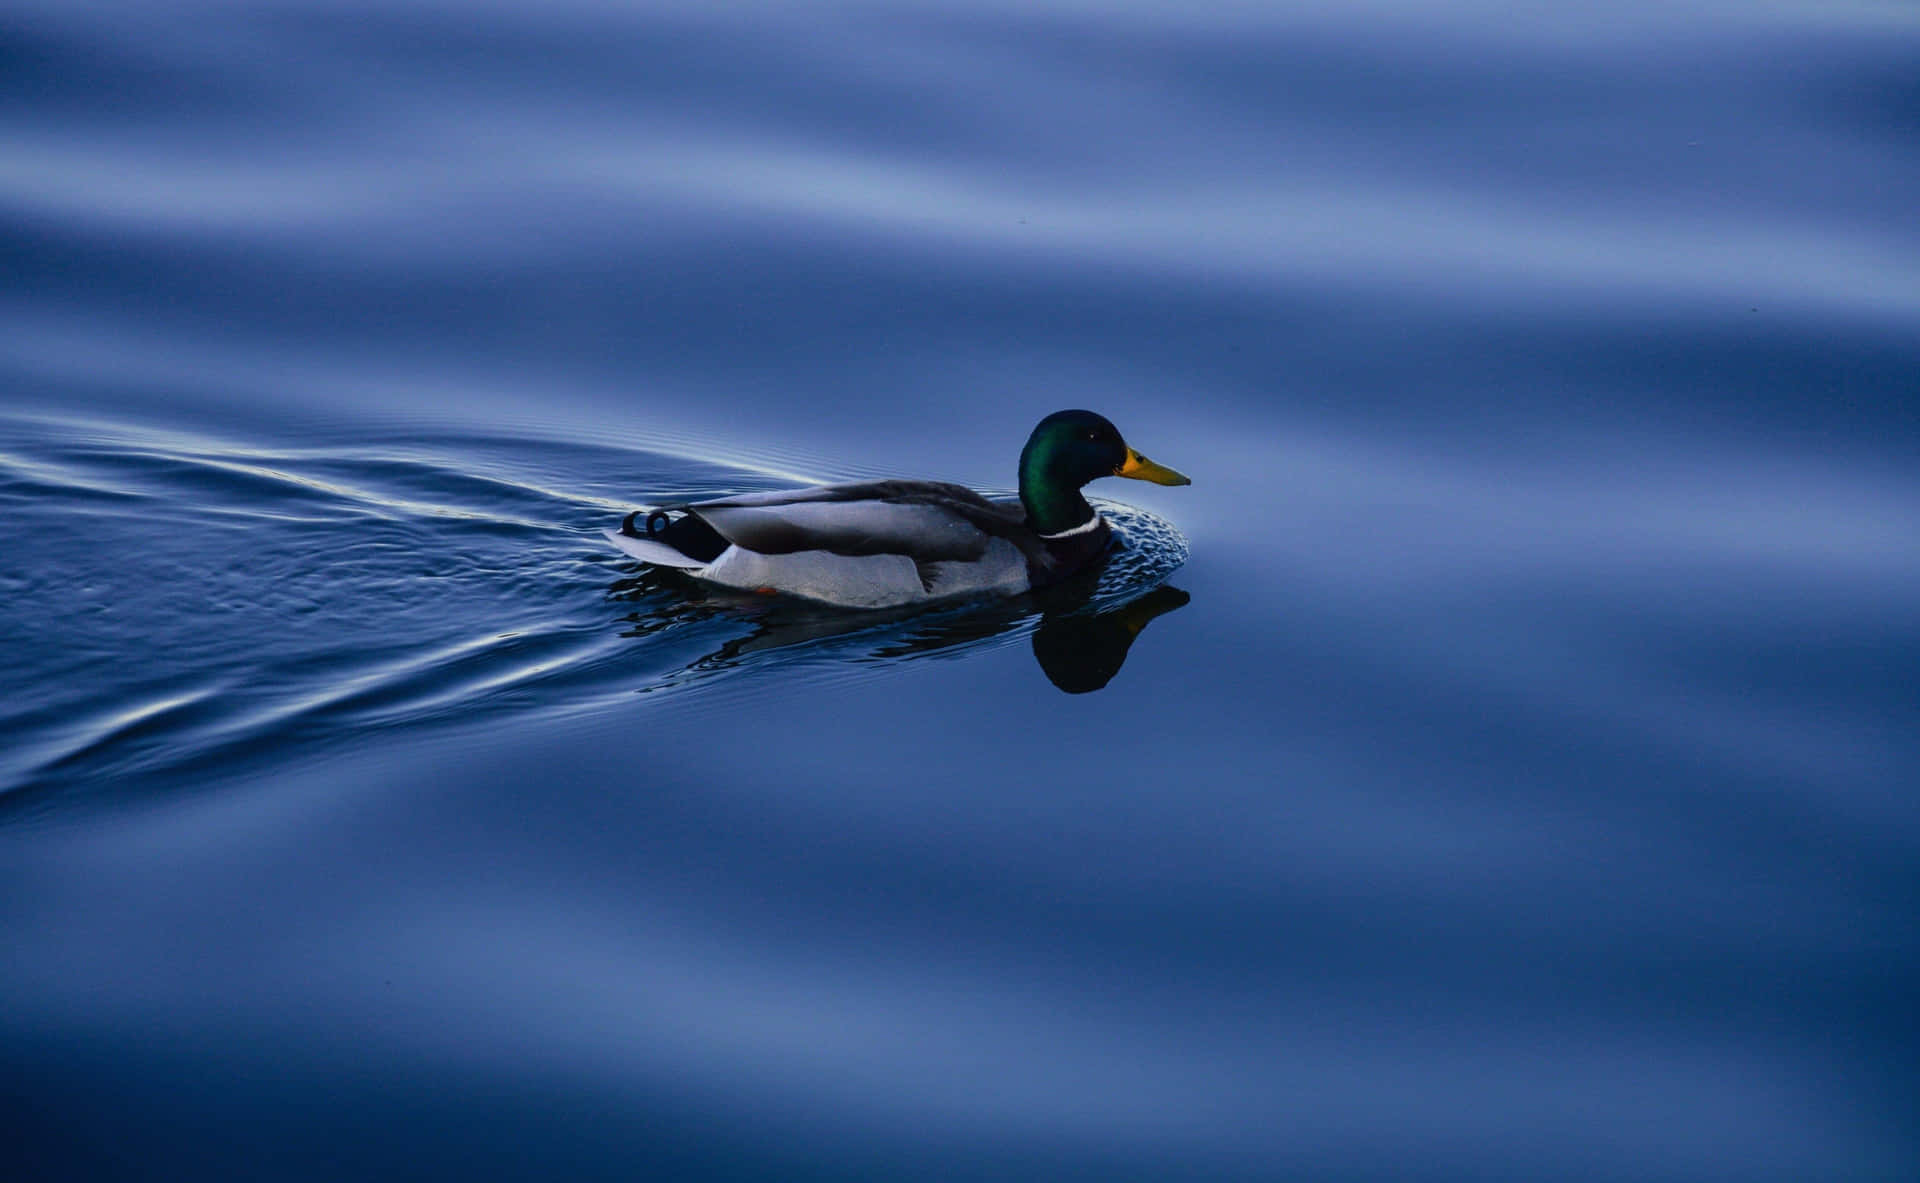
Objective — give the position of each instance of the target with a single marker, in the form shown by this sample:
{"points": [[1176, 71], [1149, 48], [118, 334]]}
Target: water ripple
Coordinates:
{"points": [[312, 595]]}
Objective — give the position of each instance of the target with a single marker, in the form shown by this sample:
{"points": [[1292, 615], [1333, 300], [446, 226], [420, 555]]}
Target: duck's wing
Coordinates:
{"points": [[927, 521]]}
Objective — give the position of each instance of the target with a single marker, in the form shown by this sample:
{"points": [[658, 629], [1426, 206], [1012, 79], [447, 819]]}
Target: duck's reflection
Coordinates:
{"points": [[1079, 644], [1082, 651]]}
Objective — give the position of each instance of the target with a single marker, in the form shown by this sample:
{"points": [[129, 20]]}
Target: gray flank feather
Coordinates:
{"points": [[924, 520]]}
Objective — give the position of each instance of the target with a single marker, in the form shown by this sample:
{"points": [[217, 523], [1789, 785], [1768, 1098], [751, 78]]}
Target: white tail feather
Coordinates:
{"points": [[648, 550]]}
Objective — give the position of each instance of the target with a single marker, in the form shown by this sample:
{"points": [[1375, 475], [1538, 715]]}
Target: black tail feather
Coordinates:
{"points": [[689, 535]]}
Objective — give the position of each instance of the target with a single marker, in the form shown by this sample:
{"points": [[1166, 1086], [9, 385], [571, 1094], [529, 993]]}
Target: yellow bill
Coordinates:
{"points": [[1142, 469]]}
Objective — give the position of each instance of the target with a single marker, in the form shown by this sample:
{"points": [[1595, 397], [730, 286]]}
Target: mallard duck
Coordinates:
{"points": [[881, 544]]}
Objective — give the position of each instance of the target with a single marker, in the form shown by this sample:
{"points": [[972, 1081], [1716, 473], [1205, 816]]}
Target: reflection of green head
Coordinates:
{"points": [[1080, 652], [1068, 449]]}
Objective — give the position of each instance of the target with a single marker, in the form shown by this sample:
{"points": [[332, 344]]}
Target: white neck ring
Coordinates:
{"points": [[1087, 527]]}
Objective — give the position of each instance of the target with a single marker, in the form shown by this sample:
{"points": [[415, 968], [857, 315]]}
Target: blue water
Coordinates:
{"points": [[1501, 763]]}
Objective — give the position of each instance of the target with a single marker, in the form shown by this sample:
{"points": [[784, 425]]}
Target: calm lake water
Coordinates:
{"points": [[1501, 763]]}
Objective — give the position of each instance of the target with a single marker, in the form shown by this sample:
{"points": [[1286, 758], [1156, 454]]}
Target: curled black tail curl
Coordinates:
{"points": [[689, 535]]}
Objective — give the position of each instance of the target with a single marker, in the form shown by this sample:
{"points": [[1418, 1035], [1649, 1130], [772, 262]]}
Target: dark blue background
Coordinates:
{"points": [[1526, 791]]}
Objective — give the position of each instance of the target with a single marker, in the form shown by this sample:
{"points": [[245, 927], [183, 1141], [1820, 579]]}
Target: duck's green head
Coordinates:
{"points": [[1068, 449]]}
